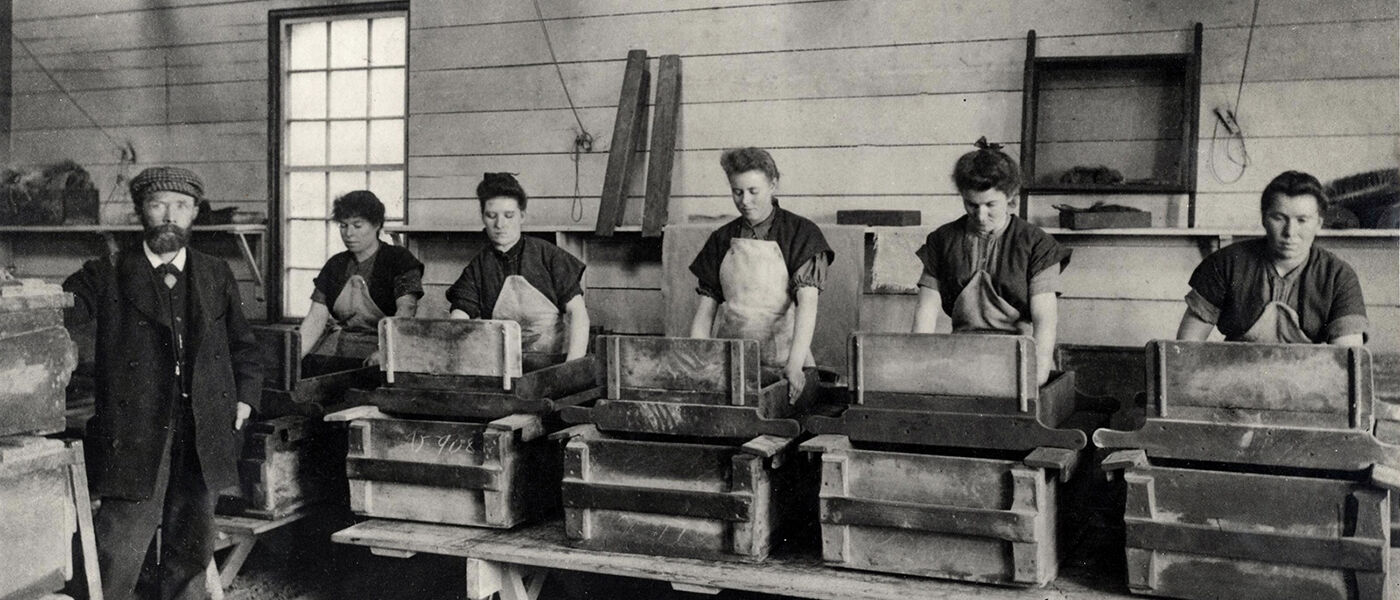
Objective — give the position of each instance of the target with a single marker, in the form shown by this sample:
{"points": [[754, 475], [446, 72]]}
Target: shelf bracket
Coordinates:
{"points": [[252, 262]]}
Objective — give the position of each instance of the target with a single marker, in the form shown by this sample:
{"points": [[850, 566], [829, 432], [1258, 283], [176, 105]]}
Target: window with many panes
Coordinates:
{"points": [[342, 129]]}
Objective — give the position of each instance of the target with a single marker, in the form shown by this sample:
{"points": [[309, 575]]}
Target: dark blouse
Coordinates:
{"points": [[393, 272], [1231, 287], [801, 242], [1023, 252], [546, 267]]}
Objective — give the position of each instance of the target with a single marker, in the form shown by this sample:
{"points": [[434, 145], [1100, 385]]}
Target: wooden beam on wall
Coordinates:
{"points": [[665, 125], [628, 133], [6, 85]]}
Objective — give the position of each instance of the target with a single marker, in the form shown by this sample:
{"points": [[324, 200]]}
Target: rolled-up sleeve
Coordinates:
{"points": [[465, 294], [810, 274], [1347, 315]]}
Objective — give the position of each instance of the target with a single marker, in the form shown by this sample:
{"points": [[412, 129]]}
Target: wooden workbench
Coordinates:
{"points": [[510, 561]]}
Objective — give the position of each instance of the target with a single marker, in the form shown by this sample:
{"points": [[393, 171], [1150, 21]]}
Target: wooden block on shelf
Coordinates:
{"points": [[880, 218]]}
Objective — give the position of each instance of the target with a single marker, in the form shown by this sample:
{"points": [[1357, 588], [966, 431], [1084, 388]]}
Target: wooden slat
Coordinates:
{"points": [[984, 366], [1294, 377], [425, 474], [708, 421], [451, 347], [686, 364], [1009, 525], [946, 429], [1337, 553], [705, 505], [629, 129], [663, 144]]}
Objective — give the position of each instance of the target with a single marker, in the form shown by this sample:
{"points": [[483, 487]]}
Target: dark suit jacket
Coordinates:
{"points": [[135, 366]]}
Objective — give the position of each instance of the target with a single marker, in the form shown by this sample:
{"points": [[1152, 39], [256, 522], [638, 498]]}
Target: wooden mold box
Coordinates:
{"points": [[473, 369], [37, 358], [711, 388], [1281, 405], [1203, 534], [693, 500], [1386, 369], [290, 462], [968, 391], [495, 474], [985, 520], [291, 388], [37, 521]]}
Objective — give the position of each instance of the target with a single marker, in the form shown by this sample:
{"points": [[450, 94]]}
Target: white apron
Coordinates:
{"points": [[754, 278], [1278, 324], [353, 331], [541, 326], [978, 308]]}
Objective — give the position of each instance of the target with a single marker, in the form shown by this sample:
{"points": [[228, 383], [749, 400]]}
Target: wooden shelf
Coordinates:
{"points": [[1216, 233], [238, 228], [1091, 189]]}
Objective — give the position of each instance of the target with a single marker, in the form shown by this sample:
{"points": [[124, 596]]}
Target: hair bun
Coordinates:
{"points": [[500, 184], [986, 145]]}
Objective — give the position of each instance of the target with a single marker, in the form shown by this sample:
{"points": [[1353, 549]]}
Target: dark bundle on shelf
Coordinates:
{"points": [[62, 193], [1373, 196]]}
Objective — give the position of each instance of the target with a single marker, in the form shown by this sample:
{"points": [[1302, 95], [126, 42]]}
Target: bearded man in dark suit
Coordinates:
{"points": [[177, 375]]}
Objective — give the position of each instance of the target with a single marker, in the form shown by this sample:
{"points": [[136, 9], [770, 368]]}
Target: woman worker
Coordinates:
{"points": [[760, 275], [1279, 288], [360, 286], [991, 271], [522, 279]]}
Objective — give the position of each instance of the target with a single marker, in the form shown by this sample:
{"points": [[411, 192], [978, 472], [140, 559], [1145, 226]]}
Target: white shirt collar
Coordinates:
{"points": [[178, 261]]}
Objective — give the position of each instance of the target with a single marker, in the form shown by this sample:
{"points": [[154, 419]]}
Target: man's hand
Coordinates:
{"points": [[244, 411], [796, 381], [373, 359]]}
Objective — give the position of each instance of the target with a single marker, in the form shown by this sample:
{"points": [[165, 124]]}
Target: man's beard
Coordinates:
{"points": [[167, 237]]}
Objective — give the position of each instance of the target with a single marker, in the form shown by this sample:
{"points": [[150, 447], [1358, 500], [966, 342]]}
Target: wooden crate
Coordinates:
{"points": [[970, 391], [495, 474], [985, 520], [692, 387], [37, 521], [290, 389], [696, 500], [470, 347], [290, 462], [1282, 405], [1202, 534], [37, 358], [540, 390], [1386, 370]]}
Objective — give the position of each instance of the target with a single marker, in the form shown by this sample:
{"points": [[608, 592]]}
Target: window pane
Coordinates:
{"points": [[306, 96], [306, 244], [307, 48], [334, 244], [347, 143], [307, 192], [340, 183], [348, 94], [306, 143], [299, 288], [386, 92], [388, 185], [386, 141], [349, 43], [387, 41]]}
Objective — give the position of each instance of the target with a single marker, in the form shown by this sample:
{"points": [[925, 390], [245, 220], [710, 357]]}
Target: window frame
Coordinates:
{"points": [[277, 21]]}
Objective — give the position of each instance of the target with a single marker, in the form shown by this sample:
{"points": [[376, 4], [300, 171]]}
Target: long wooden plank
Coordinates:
{"points": [[663, 144], [424, 474], [800, 575], [711, 421], [628, 131], [946, 429], [1300, 447]]}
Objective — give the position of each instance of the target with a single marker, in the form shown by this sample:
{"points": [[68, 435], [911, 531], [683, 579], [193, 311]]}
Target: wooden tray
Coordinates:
{"points": [[37, 358]]}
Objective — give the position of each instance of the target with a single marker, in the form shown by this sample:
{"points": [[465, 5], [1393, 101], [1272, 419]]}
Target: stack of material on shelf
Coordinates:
{"points": [[950, 460], [43, 488], [695, 453], [466, 443], [1257, 474]]}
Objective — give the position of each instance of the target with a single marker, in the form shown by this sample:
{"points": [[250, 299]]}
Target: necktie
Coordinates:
{"points": [[170, 274]]}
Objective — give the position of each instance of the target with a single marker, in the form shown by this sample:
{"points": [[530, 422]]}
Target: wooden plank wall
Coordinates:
{"points": [[868, 114], [873, 113], [184, 81]]}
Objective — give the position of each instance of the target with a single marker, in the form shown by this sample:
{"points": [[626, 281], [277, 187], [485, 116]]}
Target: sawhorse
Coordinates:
{"points": [[241, 533]]}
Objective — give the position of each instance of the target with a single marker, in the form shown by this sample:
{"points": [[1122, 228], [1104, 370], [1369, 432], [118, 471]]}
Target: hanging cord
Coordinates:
{"points": [[583, 142], [125, 150], [1236, 151]]}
